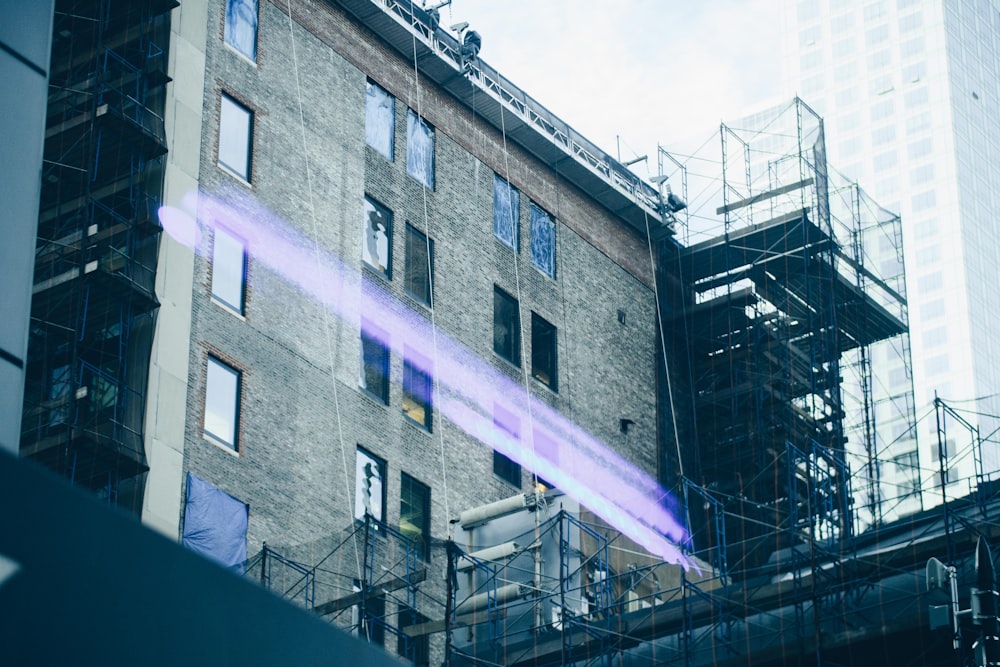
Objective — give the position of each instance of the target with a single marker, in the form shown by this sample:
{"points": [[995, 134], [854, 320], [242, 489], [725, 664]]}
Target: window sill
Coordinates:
{"points": [[225, 306], [552, 390], [239, 53], [511, 364], [410, 420], [373, 396], [417, 300], [220, 444], [239, 179]]}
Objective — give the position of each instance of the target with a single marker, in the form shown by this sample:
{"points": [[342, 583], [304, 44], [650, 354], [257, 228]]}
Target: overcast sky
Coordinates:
{"points": [[651, 71]]}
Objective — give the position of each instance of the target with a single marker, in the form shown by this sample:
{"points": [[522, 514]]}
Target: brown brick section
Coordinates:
{"points": [[565, 201]]}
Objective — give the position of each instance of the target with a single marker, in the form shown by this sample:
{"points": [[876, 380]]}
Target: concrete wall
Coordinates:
{"points": [[168, 376], [25, 41]]}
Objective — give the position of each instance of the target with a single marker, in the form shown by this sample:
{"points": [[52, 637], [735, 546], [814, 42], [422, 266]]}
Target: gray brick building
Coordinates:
{"points": [[389, 272]]}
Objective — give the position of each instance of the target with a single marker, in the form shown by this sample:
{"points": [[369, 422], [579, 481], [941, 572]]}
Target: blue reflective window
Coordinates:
{"points": [[241, 26], [543, 241], [506, 211], [419, 149], [380, 111]]}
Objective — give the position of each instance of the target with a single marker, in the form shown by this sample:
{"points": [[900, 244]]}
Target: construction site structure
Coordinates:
{"points": [[784, 308], [93, 301]]}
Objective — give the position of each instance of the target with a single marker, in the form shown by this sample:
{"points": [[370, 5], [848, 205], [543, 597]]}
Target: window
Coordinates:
{"points": [[509, 431], [374, 361], [228, 270], [222, 403], [235, 131], [506, 211], [417, 388], [215, 523], [543, 241], [876, 36], [419, 149], [372, 626], [376, 244], [543, 351], [419, 265], [919, 149], [413, 649], [506, 326], [415, 513], [241, 27], [380, 114], [369, 485]]}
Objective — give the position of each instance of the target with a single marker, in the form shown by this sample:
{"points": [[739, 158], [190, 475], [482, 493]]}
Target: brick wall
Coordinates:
{"points": [[302, 413]]}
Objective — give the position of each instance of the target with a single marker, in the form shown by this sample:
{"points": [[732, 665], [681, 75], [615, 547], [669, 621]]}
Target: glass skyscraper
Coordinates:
{"points": [[910, 92]]}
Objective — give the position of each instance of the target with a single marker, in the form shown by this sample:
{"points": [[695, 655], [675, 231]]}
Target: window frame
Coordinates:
{"points": [[383, 468], [233, 445], [416, 239], [230, 24], [538, 214], [514, 327], [369, 115], [374, 336], [540, 323], [372, 205], [240, 307], [414, 121], [508, 424], [513, 212], [423, 542], [412, 372], [246, 173]]}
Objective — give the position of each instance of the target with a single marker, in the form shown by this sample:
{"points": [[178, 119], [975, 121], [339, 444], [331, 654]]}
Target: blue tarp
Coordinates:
{"points": [[215, 523]]}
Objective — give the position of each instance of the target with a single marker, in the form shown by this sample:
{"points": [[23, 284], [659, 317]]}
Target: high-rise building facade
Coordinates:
{"points": [[910, 90]]}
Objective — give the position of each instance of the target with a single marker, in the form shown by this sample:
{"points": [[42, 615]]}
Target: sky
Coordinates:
{"points": [[648, 71]]}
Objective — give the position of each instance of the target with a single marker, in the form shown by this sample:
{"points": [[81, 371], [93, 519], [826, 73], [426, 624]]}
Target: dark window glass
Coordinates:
{"points": [[508, 427], [419, 265], [376, 234], [372, 624], [374, 361], [506, 210], [543, 241], [419, 149], [543, 351], [506, 326], [414, 649], [417, 388], [369, 482], [380, 112], [415, 513]]}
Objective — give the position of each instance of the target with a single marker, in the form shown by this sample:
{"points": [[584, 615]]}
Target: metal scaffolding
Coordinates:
{"points": [[93, 301]]}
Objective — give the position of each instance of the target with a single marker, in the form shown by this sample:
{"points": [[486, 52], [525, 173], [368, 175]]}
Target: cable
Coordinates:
{"points": [[316, 253], [430, 288]]}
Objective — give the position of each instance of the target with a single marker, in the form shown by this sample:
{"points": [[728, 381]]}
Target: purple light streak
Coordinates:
{"points": [[555, 448]]}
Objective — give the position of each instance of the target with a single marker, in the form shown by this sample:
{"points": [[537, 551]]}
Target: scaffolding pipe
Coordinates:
{"points": [[503, 595], [488, 555], [478, 516]]}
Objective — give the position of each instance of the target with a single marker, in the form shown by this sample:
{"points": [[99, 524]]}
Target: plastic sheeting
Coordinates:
{"points": [[543, 241], [506, 211], [380, 113], [215, 523], [419, 149]]}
